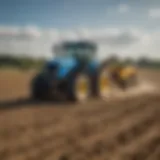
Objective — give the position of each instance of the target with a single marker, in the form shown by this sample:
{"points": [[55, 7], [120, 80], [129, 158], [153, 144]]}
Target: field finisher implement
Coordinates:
{"points": [[75, 74]]}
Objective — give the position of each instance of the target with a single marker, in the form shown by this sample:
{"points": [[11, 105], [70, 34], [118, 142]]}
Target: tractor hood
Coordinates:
{"points": [[63, 65]]}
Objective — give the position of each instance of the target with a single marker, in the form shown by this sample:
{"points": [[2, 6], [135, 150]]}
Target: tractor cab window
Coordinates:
{"points": [[84, 54], [60, 52]]}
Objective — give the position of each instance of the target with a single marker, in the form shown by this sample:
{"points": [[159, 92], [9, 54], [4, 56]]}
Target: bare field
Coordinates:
{"points": [[119, 129]]}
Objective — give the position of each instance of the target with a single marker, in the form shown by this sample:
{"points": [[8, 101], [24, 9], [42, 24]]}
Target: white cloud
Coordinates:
{"points": [[123, 8], [154, 13], [28, 32], [37, 42]]}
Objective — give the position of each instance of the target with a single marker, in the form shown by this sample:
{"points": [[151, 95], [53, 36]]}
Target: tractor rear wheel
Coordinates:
{"points": [[101, 83], [79, 87]]}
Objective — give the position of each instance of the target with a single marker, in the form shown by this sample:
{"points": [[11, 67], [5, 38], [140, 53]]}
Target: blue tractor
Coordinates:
{"points": [[74, 74]]}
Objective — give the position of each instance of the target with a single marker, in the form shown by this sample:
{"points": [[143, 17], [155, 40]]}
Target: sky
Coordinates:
{"points": [[129, 28]]}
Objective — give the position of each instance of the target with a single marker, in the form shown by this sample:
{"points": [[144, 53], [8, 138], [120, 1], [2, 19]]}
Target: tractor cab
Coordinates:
{"points": [[82, 52], [69, 56]]}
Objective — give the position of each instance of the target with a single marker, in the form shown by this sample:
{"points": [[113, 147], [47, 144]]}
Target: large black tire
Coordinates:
{"points": [[72, 90], [39, 88], [101, 83]]}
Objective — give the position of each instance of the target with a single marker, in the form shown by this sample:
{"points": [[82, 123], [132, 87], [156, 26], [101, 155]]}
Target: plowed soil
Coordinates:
{"points": [[124, 127]]}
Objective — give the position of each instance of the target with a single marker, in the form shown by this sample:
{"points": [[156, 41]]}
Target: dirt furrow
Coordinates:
{"points": [[118, 129]]}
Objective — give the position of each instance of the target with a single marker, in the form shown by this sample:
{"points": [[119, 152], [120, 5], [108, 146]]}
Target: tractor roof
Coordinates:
{"points": [[80, 44]]}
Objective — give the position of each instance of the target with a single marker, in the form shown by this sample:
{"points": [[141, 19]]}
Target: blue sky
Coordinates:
{"points": [[73, 13], [54, 13], [46, 19]]}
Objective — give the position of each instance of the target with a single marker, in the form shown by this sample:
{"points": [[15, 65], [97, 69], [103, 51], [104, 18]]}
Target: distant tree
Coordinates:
{"points": [[143, 61], [149, 63], [129, 61], [20, 62], [112, 59]]}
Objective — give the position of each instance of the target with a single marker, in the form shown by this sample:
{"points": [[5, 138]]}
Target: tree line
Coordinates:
{"points": [[8, 61], [142, 62]]}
